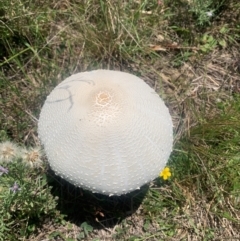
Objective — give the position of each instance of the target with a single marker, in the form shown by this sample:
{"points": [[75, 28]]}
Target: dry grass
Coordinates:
{"points": [[42, 43]]}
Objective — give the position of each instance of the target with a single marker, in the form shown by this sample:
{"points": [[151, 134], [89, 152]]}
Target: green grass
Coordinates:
{"points": [[187, 56], [205, 184]]}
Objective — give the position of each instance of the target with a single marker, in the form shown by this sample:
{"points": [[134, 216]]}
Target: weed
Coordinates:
{"points": [[24, 196], [205, 11], [188, 51]]}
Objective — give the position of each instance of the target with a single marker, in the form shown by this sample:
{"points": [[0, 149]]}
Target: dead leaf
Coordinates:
{"points": [[160, 38], [157, 48]]}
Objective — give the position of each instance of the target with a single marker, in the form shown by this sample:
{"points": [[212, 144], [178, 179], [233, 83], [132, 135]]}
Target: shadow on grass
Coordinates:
{"points": [[98, 210]]}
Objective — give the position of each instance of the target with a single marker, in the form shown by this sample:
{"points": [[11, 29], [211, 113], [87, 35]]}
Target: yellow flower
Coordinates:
{"points": [[165, 173]]}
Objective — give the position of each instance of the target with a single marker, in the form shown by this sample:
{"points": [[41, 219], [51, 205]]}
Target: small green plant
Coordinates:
{"points": [[208, 43], [86, 230], [25, 197], [204, 10]]}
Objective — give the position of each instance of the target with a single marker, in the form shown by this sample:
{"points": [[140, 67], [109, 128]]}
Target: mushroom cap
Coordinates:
{"points": [[106, 131]]}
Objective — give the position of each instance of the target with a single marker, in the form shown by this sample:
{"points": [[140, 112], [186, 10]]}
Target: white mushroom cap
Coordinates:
{"points": [[106, 131]]}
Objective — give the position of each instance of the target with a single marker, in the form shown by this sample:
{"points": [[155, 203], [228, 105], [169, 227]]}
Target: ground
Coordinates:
{"points": [[189, 52]]}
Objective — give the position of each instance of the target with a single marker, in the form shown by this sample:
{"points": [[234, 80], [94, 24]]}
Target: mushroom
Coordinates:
{"points": [[106, 131]]}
